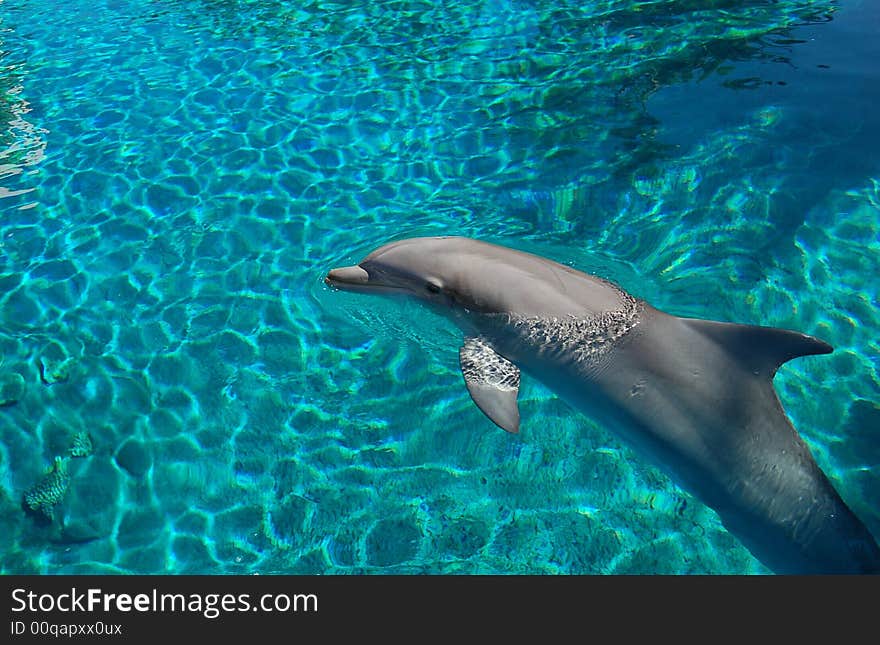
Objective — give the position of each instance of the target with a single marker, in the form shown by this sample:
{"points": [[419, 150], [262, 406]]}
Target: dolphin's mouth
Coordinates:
{"points": [[343, 277], [354, 278]]}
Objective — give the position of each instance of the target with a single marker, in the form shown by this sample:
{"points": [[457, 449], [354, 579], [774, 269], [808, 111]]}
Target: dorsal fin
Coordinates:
{"points": [[762, 349]]}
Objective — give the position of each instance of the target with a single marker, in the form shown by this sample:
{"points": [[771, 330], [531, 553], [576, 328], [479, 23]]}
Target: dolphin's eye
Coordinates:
{"points": [[433, 288]]}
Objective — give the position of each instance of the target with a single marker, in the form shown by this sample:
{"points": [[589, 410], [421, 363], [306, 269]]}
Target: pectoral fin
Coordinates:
{"points": [[492, 381]]}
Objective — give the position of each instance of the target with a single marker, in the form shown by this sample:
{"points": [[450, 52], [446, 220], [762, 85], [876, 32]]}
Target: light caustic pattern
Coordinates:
{"points": [[177, 177]]}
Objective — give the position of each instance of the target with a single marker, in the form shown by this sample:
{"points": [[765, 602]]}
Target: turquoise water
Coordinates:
{"points": [[176, 177]]}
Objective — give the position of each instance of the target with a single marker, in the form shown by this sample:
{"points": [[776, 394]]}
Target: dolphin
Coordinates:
{"points": [[694, 396]]}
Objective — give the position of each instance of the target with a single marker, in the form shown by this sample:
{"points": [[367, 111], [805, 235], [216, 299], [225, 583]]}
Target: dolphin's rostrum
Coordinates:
{"points": [[695, 396]]}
